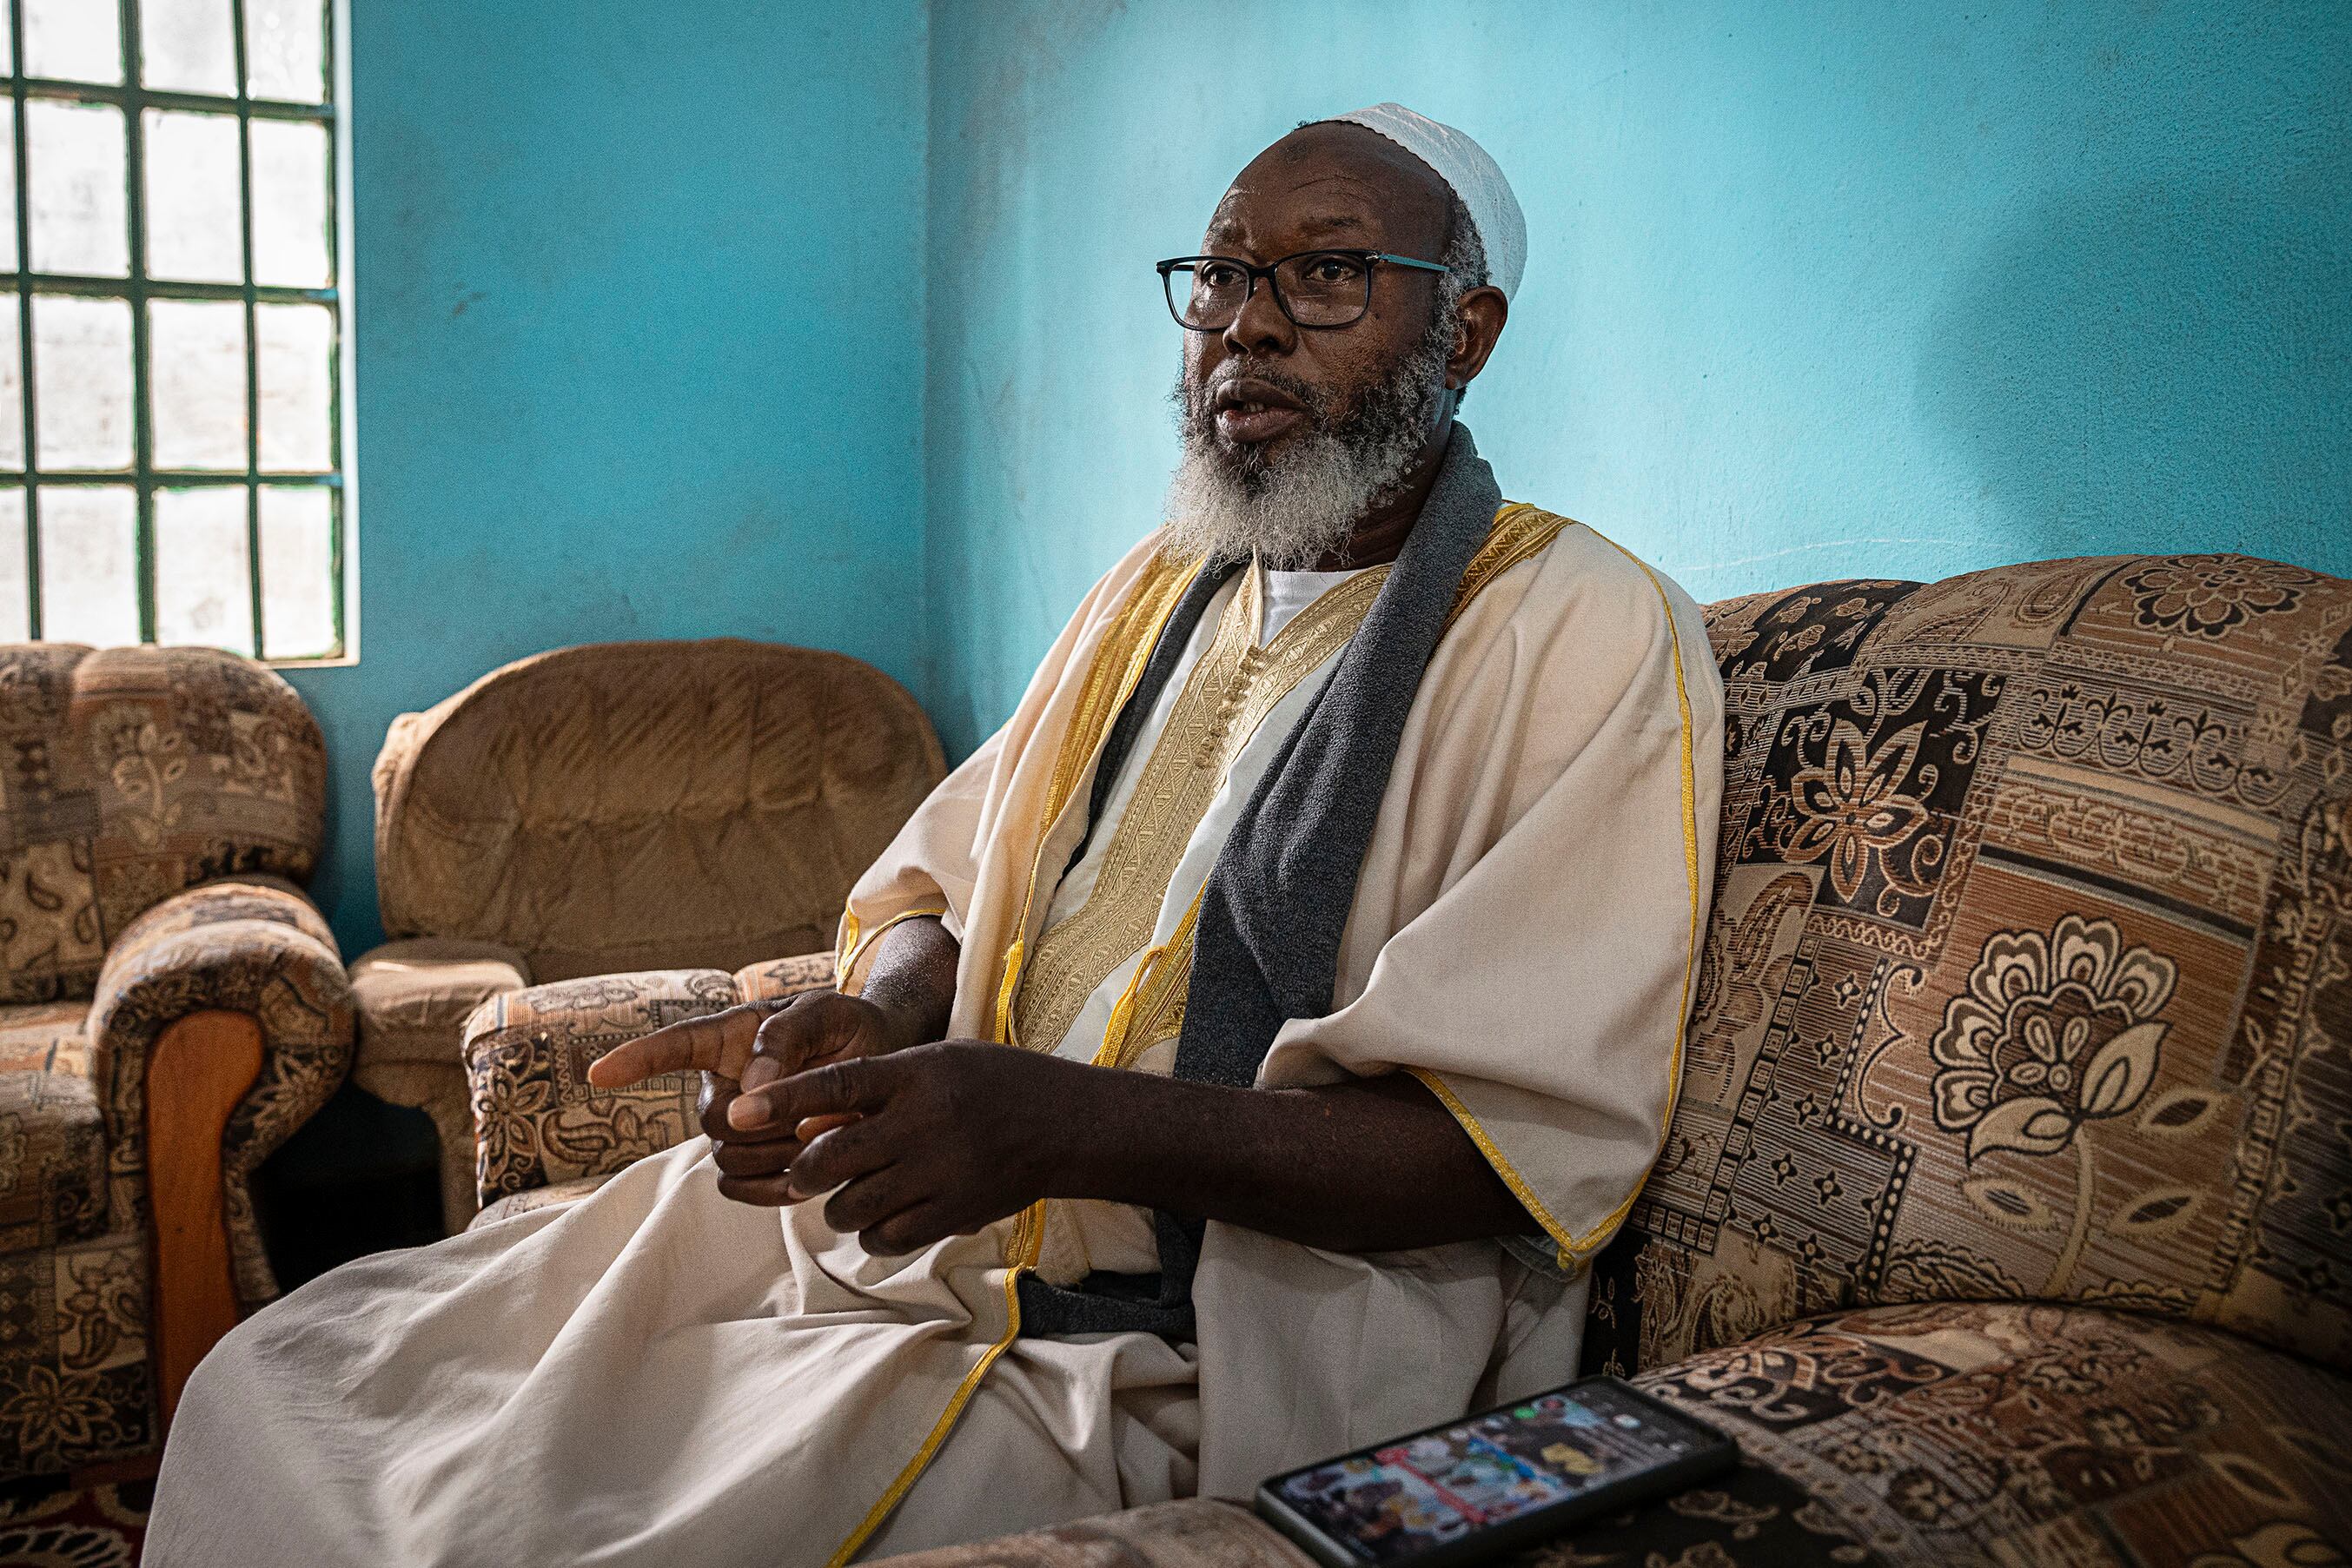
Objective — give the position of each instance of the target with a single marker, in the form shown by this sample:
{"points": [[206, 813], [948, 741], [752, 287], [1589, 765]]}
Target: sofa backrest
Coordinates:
{"points": [[129, 774], [2030, 969], [628, 806]]}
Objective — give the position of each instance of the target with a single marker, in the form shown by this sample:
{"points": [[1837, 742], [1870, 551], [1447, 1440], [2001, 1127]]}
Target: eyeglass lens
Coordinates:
{"points": [[1321, 290]]}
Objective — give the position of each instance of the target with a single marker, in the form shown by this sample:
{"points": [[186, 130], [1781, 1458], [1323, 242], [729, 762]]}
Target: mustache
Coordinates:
{"points": [[1200, 411]]}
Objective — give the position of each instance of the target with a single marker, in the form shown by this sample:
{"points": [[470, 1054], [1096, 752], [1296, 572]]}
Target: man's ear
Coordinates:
{"points": [[1478, 324]]}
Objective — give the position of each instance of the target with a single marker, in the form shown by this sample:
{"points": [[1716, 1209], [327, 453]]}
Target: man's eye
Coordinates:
{"points": [[1333, 270], [1219, 275]]}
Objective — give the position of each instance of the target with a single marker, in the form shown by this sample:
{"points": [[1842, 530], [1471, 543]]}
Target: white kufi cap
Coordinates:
{"points": [[1474, 176]]}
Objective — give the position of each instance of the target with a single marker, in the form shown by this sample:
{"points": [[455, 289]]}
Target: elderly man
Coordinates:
{"points": [[1235, 1060]]}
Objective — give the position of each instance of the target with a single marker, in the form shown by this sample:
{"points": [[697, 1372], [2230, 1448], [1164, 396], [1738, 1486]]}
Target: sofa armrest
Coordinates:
{"points": [[537, 1119], [252, 945], [772, 978]]}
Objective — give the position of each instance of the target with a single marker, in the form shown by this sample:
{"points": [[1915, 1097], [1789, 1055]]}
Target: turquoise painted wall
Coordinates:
{"points": [[639, 338], [1816, 288]]}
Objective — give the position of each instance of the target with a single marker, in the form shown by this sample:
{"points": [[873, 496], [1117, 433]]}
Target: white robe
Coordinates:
{"points": [[657, 1375]]}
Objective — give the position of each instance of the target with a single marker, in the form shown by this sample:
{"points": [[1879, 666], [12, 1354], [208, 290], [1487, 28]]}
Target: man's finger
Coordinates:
{"points": [[859, 1085], [766, 1192], [843, 1155], [719, 1042], [867, 1201], [740, 1159], [820, 1028], [912, 1231]]}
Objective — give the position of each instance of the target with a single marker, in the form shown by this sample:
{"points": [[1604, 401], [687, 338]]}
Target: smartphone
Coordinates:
{"points": [[1489, 1483]]}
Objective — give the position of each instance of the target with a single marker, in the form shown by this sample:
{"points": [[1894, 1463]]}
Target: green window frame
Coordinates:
{"points": [[138, 288]]}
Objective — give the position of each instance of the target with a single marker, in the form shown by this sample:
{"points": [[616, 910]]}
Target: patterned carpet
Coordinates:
{"points": [[85, 1526]]}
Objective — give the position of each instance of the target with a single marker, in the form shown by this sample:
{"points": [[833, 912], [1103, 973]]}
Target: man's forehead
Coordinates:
{"points": [[1333, 181]]}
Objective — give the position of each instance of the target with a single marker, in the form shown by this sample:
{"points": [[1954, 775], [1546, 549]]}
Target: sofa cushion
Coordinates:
{"points": [[413, 996], [44, 1037], [52, 1160], [2030, 969], [2009, 1433]]}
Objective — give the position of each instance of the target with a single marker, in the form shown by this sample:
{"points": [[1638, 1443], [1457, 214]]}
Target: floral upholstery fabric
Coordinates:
{"points": [[1200, 1534], [530, 1200], [784, 976], [2003, 1434], [152, 802], [538, 1121], [2014, 1434], [129, 775], [2029, 970], [75, 1381]]}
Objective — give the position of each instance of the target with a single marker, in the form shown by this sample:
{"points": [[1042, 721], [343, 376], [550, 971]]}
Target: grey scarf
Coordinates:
{"points": [[1266, 947]]}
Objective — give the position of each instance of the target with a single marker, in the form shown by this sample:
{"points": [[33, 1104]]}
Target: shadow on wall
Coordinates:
{"points": [[2159, 367]]}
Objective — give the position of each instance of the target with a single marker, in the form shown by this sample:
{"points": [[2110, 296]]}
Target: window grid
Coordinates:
{"points": [[134, 100]]}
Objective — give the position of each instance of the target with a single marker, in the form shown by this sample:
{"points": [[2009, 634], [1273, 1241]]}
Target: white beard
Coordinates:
{"points": [[1303, 505], [1291, 515]]}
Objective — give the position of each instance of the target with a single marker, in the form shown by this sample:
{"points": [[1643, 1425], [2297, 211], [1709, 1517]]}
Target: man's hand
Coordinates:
{"points": [[746, 1046], [909, 986], [935, 1141]]}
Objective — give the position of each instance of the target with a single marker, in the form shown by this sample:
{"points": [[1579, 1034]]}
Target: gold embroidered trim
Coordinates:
{"points": [[855, 941], [1021, 1255], [1228, 695], [1152, 1009], [1575, 1249], [1158, 1000], [1521, 533], [1118, 663]]}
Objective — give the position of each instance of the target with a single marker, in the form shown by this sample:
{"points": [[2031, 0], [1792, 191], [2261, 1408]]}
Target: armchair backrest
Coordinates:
{"points": [[2029, 970], [127, 774], [627, 806]]}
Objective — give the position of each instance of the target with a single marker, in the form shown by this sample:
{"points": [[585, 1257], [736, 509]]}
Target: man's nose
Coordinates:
{"points": [[1260, 327]]}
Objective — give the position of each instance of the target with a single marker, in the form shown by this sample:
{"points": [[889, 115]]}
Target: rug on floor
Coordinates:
{"points": [[45, 1523]]}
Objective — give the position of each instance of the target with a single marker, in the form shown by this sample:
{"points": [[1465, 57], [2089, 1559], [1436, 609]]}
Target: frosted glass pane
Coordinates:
{"points": [[11, 392], [73, 40], [194, 230], [298, 571], [81, 376], [285, 49], [7, 179], [89, 584], [203, 590], [76, 180], [196, 360], [15, 609], [289, 204], [297, 343], [188, 46]]}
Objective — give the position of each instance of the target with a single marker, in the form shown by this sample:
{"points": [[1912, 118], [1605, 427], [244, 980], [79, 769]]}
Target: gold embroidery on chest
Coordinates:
{"points": [[1228, 695]]}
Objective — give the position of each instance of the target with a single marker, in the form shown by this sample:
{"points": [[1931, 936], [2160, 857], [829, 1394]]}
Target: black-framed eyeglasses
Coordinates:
{"points": [[1315, 288]]}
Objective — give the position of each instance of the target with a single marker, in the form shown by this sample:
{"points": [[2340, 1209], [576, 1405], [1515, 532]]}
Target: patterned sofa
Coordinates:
{"points": [[2006, 1213], [172, 1006], [616, 805]]}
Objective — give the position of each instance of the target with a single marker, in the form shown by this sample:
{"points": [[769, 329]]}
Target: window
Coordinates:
{"points": [[171, 337]]}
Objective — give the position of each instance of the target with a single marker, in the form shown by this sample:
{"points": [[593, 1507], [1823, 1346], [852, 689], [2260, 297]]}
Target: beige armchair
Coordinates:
{"points": [[172, 1006], [620, 806]]}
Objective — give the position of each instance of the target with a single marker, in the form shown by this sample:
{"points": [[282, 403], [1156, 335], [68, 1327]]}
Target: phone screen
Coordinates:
{"points": [[1437, 1488]]}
